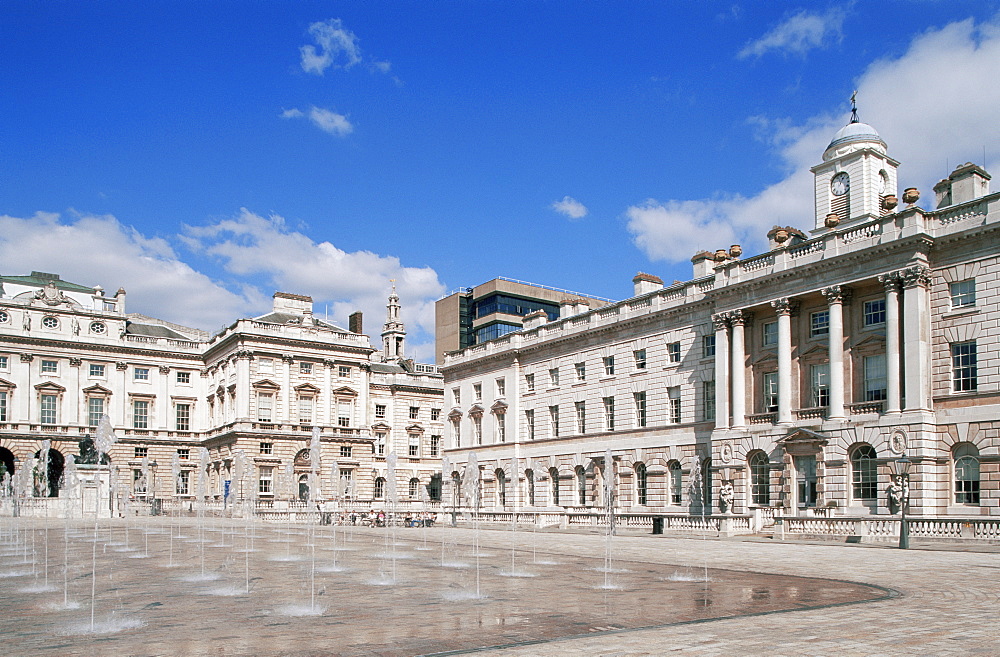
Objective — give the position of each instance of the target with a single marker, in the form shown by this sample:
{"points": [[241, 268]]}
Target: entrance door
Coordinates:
{"points": [[805, 478]]}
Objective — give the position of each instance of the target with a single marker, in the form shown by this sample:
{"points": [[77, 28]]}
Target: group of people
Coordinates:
{"points": [[378, 518]]}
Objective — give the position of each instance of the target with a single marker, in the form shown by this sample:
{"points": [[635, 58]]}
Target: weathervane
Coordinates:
{"points": [[854, 107]]}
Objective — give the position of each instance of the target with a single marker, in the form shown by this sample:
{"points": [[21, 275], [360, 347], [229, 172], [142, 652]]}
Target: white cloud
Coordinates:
{"points": [[935, 103], [251, 245], [338, 47], [100, 250], [570, 207], [799, 34], [326, 120]]}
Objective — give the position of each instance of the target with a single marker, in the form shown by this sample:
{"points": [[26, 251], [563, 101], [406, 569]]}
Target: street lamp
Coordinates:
{"points": [[899, 492]]}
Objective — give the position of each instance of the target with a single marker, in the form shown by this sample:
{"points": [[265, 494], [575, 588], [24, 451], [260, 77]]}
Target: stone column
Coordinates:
{"points": [[892, 370], [836, 296], [916, 337], [739, 319], [785, 309], [721, 371]]}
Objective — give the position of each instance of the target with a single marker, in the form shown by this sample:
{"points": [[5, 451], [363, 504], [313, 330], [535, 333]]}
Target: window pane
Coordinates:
{"points": [[964, 366]]}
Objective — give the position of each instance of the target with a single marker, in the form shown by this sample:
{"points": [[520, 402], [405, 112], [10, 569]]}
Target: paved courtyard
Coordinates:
{"points": [[180, 588]]}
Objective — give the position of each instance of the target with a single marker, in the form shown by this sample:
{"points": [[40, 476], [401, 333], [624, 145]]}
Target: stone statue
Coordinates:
{"points": [[726, 493], [897, 493]]}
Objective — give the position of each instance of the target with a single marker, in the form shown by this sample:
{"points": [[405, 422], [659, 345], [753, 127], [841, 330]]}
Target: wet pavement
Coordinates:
{"points": [[175, 587]]}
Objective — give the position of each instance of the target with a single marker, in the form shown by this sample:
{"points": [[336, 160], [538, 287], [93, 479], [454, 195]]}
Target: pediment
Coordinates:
{"points": [[6, 385], [265, 384], [498, 407], [766, 357], [49, 386], [344, 391], [414, 428], [476, 410], [804, 437], [307, 387], [455, 415], [381, 426], [97, 390], [874, 340], [819, 350]]}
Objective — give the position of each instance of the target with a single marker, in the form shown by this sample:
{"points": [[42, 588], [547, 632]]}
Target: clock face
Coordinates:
{"points": [[840, 184]]}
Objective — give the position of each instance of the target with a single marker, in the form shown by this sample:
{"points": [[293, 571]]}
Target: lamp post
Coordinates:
{"points": [[900, 489]]}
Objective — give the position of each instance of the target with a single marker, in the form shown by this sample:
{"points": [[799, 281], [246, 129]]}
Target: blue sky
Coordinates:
{"points": [[205, 154]]}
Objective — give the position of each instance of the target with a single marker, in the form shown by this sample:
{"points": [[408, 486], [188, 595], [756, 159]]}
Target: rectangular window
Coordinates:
{"points": [[501, 387], [4, 362], [581, 371], [640, 359], [456, 393], [965, 371], [435, 446], [50, 367], [267, 448], [673, 352], [344, 371], [819, 385], [674, 404], [306, 369], [708, 346], [140, 414], [48, 409], [554, 421], [3, 406], [182, 413], [345, 412], [414, 446], [265, 485], [581, 416], [184, 378], [769, 332], [141, 452], [501, 424], [183, 482], [875, 378], [345, 451], [529, 382], [265, 406], [963, 293], [265, 365], [640, 408], [140, 374], [609, 365], [184, 454], [529, 421], [770, 392], [380, 411], [819, 324], [435, 414], [477, 428], [414, 412], [477, 391], [874, 312], [138, 483], [708, 400], [95, 410], [554, 377], [380, 443], [305, 410], [97, 371], [609, 413]]}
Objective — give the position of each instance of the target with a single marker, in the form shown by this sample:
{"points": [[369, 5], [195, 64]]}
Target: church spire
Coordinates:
{"points": [[393, 331]]}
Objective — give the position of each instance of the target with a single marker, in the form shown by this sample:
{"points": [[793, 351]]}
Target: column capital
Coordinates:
{"points": [[916, 276], [720, 321], [785, 306], [741, 318], [890, 281], [837, 294]]}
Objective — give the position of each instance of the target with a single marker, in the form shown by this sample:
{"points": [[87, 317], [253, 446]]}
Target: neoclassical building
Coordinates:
{"points": [[70, 354], [790, 380]]}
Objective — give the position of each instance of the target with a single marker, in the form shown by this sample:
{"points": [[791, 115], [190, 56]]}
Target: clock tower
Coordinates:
{"points": [[855, 177]]}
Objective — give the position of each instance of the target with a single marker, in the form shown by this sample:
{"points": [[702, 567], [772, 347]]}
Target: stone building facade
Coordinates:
{"points": [[792, 380], [70, 354]]}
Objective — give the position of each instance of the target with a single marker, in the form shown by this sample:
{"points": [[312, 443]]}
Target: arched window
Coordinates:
{"points": [[864, 473], [414, 489], [501, 487], [641, 484], [966, 474], [760, 478], [304, 488], [379, 488], [581, 485], [554, 483], [529, 484], [675, 481]]}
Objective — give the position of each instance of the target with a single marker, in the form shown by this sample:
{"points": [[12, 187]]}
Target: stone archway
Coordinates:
{"points": [[56, 465], [6, 463]]}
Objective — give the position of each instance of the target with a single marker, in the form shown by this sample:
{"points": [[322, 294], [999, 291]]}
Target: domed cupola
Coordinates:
{"points": [[855, 178]]}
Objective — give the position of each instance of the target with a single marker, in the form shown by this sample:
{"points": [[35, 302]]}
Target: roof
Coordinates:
{"points": [[155, 331], [41, 279], [292, 318], [855, 132]]}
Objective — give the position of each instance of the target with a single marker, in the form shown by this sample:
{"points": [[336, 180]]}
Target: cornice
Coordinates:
{"points": [[99, 348]]}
